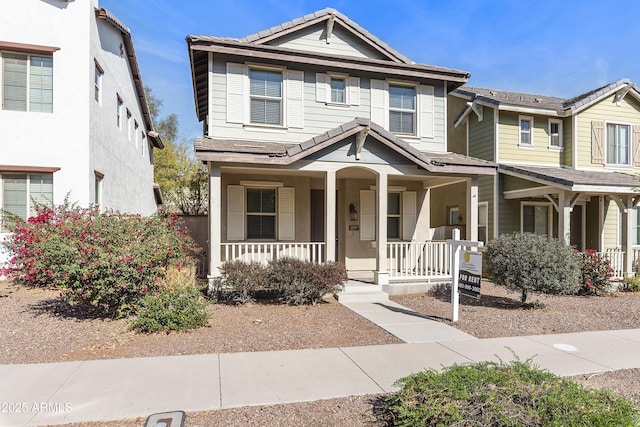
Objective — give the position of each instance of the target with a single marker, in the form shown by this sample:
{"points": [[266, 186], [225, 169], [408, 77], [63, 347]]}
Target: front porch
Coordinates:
{"points": [[406, 261]]}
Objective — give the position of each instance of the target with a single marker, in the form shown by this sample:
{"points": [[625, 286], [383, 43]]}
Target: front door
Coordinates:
{"points": [[576, 239], [317, 215]]}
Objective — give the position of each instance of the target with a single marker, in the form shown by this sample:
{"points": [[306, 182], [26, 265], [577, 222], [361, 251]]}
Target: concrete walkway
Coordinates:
{"points": [[406, 324], [56, 393]]}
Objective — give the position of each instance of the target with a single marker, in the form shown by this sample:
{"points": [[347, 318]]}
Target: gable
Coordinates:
{"points": [[341, 42], [373, 152]]}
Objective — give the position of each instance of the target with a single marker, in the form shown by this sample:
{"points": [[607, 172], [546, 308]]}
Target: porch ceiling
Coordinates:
{"points": [[556, 179]]}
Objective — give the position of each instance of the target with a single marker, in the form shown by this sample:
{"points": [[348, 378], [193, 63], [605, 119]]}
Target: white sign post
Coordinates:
{"points": [[456, 245]]}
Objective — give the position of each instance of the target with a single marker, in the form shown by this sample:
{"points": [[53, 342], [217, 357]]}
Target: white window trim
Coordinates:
{"points": [[629, 147], [549, 215], [274, 214], [416, 112], [283, 96], [560, 145], [399, 215], [345, 79], [531, 131], [485, 206]]}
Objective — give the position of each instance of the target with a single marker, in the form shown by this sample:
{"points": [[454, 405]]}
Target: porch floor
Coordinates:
{"points": [[396, 287]]}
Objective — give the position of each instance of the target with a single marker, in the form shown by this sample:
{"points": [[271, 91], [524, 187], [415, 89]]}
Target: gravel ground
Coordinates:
{"points": [[39, 327]]}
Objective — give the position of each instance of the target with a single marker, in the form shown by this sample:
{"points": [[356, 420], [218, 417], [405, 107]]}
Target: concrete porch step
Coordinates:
{"points": [[358, 291]]}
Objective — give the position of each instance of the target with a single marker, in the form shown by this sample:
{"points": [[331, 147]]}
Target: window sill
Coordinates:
{"points": [[613, 166], [526, 146], [337, 105], [254, 127], [555, 149]]}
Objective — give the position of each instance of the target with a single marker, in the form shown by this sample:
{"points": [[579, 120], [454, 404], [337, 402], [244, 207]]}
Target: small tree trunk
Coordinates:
{"points": [[523, 298]]}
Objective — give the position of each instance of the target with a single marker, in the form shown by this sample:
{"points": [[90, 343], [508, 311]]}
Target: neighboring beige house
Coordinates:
{"points": [[325, 143], [567, 167]]}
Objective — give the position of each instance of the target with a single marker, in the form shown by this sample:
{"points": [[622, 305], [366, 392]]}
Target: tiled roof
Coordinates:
{"points": [[506, 98], [258, 37], [571, 177], [429, 161]]}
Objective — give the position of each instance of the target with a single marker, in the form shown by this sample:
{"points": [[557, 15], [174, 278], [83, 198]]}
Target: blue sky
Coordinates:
{"points": [[560, 48]]}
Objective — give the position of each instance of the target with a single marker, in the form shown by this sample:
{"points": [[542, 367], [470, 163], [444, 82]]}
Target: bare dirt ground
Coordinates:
{"points": [[38, 327]]}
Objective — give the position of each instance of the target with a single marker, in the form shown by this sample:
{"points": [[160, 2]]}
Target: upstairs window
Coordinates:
{"points": [[555, 133], [27, 82], [265, 97], [338, 90], [402, 109], [119, 107], [526, 131], [97, 82], [618, 146]]}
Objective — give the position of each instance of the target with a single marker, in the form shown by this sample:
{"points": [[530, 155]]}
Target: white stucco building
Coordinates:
{"points": [[74, 119]]}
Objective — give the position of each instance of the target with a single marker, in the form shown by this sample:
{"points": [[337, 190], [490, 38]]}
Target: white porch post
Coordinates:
{"points": [[601, 206], [381, 275], [472, 209], [564, 217], [330, 216], [215, 215], [627, 240]]}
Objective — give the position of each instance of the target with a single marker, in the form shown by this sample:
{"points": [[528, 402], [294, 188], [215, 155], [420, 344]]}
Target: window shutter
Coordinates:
{"points": [[235, 92], [636, 145], [295, 96], [597, 142], [408, 215], [379, 108], [367, 215], [322, 87], [354, 90], [286, 213], [235, 212], [426, 95]]}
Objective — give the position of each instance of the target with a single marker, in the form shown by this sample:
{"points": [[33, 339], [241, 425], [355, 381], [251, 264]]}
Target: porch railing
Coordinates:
{"points": [[616, 259], [265, 252], [419, 260]]}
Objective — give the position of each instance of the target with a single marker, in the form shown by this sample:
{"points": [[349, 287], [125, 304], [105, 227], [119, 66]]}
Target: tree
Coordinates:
{"points": [[181, 177]]}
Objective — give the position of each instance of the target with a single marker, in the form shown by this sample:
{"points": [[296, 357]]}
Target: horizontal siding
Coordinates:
{"points": [[610, 231], [567, 141], [485, 194], [318, 116], [509, 210], [313, 39], [509, 136], [628, 112], [481, 135], [456, 136]]}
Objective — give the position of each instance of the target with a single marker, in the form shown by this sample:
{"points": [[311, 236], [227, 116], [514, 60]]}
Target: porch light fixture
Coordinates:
{"points": [[353, 213]]}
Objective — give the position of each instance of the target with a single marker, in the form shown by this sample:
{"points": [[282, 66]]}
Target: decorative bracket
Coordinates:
{"points": [[330, 23], [362, 136]]}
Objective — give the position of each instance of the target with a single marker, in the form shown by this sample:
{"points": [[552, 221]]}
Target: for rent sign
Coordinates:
{"points": [[470, 275]]}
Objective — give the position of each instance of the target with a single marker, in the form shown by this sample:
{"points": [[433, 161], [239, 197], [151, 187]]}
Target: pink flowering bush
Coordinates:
{"points": [[596, 273], [107, 260]]}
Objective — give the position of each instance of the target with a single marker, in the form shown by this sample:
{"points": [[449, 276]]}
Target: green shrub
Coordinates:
{"points": [[240, 281], [595, 274], [288, 280], [170, 309], [106, 260], [631, 284], [527, 262], [299, 282], [498, 394]]}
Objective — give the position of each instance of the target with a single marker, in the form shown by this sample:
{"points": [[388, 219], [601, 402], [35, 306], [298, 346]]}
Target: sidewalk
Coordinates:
{"points": [[58, 393]]}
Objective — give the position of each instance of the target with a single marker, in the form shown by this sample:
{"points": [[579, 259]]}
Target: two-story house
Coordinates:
{"points": [[74, 120], [566, 166], [325, 143]]}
